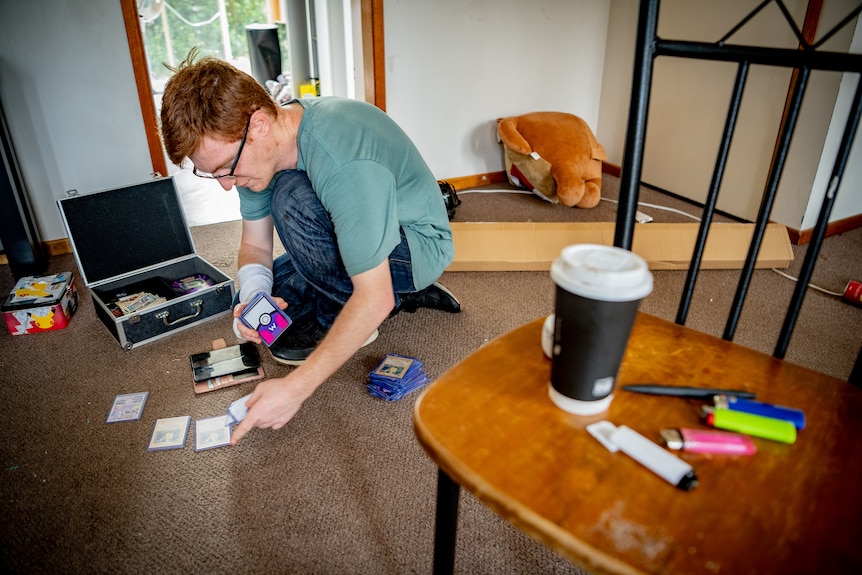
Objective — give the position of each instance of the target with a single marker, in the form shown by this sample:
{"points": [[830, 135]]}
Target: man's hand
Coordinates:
{"points": [[273, 403], [245, 332]]}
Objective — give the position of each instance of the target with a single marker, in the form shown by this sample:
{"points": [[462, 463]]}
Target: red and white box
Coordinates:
{"points": [[853, 293], [41, 303]]}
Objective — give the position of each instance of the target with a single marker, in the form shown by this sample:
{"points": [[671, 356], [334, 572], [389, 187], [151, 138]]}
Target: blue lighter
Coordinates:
{"points": [[794, 416]]}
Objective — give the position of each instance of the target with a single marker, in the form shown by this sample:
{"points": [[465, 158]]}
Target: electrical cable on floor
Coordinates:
{"points": [[812, 286], [665, 208]]}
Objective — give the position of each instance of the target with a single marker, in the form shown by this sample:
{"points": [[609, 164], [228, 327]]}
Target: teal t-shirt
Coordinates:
{"points": [[372, 180]]}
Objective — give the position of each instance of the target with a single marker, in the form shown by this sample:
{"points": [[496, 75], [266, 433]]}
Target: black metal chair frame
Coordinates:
{"points": [[803, 60], [649, 47]]}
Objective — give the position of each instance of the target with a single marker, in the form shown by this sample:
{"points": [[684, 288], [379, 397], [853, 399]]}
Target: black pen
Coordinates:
{"points": [[682, 391]]}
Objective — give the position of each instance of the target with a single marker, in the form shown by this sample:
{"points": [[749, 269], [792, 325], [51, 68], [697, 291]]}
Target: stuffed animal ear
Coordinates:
{"points": [[507, 129], [598, 152]]}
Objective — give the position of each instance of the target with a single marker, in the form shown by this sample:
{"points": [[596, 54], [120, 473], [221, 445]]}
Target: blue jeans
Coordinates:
{"points": [[310, 276]]}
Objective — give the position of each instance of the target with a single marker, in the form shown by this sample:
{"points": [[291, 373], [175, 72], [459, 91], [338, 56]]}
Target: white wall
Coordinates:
{"points": [[453, 67], [617, 78], [690, 99], [849, 198], [69, 93]]}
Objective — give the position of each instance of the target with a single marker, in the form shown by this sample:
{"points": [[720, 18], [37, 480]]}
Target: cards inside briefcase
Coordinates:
{"points": [[225, 367]]}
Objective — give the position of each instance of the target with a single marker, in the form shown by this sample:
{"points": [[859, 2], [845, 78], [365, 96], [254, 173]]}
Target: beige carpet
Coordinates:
{"points": [[344, 488]]}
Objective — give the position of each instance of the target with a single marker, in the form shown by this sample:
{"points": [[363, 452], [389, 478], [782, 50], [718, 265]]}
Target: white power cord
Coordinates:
{"points": [[812, 286], [665, 208]]}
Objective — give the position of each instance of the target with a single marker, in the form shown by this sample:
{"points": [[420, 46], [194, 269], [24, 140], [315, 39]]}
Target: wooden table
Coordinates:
{"points": [[489, 425]]}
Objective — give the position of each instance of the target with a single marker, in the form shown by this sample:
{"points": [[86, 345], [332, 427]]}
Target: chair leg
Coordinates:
{"points": [[446, 526], [856, 374]]}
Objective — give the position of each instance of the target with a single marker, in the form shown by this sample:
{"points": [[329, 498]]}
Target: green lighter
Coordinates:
{"points": [[750, 424]]}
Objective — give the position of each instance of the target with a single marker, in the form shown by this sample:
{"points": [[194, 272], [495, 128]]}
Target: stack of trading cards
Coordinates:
{"points": [[192, 284], [137, 302], [396, 376]]}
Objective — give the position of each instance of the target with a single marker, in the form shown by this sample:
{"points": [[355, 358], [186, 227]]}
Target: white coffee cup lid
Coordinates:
{"points": [[603, 273]]}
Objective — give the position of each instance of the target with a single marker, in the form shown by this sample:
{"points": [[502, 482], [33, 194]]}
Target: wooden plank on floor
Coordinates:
{"points": [[516, 246]]}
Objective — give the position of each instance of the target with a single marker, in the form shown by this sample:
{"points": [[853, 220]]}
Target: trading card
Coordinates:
{"points": [[128, 407], [212, 432], [237, 410], [138, 302], [170, 433], [396, 376], [264, 316], [394, 366]]}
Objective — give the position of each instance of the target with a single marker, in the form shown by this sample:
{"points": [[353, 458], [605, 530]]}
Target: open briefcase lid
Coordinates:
{"points": [[124, 230]]}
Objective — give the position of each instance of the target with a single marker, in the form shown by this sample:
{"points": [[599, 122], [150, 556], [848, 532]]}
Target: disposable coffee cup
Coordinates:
{"points": [[599, 290]]}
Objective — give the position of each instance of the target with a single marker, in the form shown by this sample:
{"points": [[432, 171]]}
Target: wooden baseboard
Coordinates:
{"points": [[52, 248], [797, 237], [58, 247], [611, 169], [465, 182], [832, 229]]}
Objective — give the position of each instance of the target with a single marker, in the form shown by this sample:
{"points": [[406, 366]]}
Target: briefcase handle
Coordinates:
{"points": [[198, 305]]}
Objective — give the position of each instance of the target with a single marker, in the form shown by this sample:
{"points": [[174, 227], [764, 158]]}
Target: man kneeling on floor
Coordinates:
{"points": [[359, 213]]}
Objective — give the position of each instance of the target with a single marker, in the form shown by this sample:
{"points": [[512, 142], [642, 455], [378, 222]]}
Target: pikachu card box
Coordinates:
{"points": [[41, 303]]}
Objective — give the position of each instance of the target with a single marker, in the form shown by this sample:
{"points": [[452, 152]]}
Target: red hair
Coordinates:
{"points": [[208, 98]]}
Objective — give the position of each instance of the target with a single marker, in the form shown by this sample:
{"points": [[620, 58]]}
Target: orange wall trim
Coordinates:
{"points": [[464, 182], [145, 90], [832, 229]]}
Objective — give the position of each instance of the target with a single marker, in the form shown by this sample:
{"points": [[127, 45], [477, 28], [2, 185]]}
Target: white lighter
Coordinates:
{"points": [[661, 462]]}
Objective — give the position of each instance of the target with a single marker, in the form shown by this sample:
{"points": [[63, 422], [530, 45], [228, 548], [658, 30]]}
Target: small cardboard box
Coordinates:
{"points": [[517, 246], [133, 246], [41, 303]]}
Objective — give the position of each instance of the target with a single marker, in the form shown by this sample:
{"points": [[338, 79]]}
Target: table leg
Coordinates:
{"points": [[856, 373], [446, 526]]}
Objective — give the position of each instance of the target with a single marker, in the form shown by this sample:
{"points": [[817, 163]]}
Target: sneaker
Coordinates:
{"points": [[295, 345], [435, 296]]}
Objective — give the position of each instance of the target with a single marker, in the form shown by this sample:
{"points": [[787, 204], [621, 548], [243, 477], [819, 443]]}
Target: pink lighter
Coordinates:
{"points": [[708, 441]]}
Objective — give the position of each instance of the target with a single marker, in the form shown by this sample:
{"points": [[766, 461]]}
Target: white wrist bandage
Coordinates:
{"points": [[252, 279]]}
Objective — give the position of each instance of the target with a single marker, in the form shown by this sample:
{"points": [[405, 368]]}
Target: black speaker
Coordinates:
{"points": [[21, 239], [264, 52]]}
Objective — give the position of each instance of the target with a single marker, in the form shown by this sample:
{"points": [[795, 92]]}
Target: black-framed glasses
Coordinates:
{"points": [[235, 160]]}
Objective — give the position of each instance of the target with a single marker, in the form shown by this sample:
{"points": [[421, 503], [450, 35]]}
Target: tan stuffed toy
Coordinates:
{"points": [[554, 154]]}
